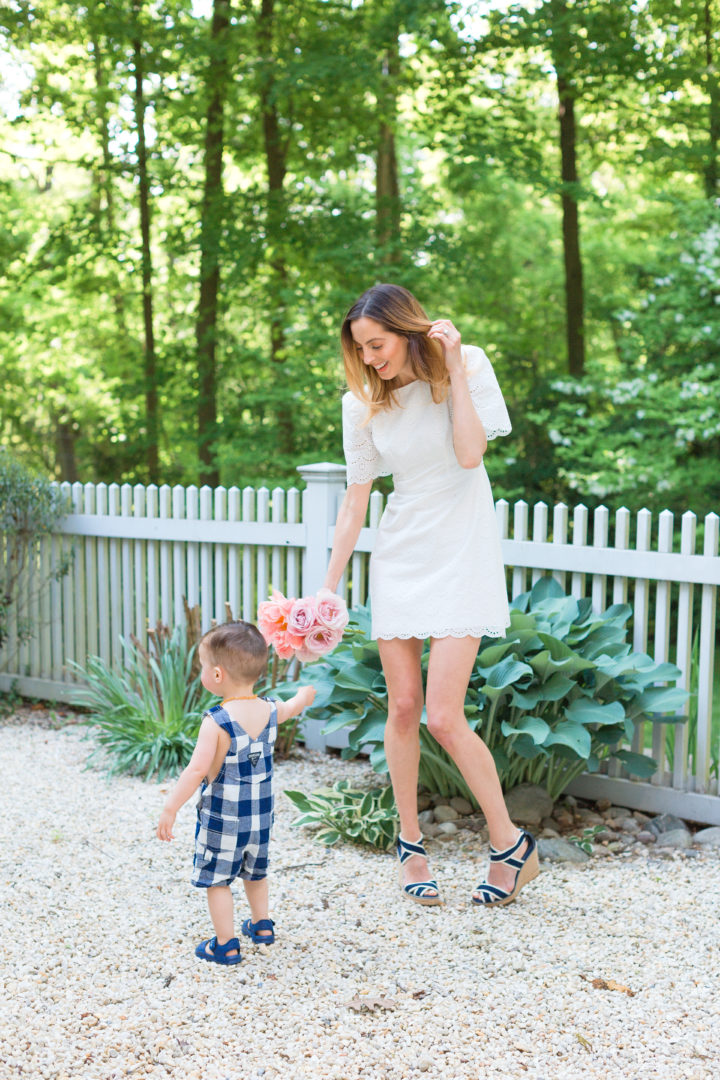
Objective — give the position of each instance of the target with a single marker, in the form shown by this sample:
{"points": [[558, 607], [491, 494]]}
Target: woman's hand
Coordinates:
{"points": [[449, 337]]}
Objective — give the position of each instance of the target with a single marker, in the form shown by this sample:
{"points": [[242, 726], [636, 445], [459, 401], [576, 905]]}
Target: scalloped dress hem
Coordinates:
{"points": [[474, 632]]}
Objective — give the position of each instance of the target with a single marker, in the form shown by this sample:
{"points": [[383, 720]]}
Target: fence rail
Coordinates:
{"points": [[139, 552]]}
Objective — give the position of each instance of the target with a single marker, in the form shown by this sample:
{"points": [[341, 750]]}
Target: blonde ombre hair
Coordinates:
{"points": [[398, 311]]}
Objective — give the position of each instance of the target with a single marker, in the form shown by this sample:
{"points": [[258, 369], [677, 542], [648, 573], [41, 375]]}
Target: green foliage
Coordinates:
{"points": [[585, 841], [30, 510], [342, 812], [146, 717], [558, 695]]}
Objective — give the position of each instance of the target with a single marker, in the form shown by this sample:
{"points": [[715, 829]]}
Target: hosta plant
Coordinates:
{"points": [[342, 812], [559, 694], [146, 717]]}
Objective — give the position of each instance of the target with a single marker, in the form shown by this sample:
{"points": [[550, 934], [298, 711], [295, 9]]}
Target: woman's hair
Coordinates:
{"points": [[239, 648], [396, 310]]}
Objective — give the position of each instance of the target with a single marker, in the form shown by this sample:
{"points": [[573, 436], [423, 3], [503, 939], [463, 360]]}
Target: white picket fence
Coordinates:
{"points": [[138, 552]]}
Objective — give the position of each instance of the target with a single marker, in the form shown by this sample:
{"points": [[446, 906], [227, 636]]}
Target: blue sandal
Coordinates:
{"points": [[419, 891], [526, 866], [250, 929], [218, 954]]}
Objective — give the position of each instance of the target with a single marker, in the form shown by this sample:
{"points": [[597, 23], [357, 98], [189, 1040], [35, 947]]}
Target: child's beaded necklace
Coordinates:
{"points": [[251, 697]]}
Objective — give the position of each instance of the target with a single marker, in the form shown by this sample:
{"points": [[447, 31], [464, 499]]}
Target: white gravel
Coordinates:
{"points": [[100, 922]]}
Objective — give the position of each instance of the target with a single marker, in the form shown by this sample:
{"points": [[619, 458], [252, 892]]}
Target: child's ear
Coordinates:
{"points": [[218, 674]]}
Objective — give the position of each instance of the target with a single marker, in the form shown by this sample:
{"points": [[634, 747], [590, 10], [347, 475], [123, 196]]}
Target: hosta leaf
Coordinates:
{"points": [[556, 687], [531, 726], [572, 735], [357, 678], [299, 799], [586, 711], [662, 699], [637, 764], [563, 656], [504, 674], [546, 587], [327, 836]]}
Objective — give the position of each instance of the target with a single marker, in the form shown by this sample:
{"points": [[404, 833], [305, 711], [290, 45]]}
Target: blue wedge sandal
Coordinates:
{"points": [[526, 867], [250, 929], [419, 891]]}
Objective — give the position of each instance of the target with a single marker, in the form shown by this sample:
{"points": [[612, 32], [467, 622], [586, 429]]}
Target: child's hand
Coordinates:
{"points": [[165, 825], [306, 696]]}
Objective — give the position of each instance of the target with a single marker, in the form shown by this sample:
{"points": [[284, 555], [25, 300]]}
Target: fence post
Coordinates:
{"points": [[325, 486]]}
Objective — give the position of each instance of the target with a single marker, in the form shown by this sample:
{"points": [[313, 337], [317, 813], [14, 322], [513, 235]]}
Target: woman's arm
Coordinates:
{"points": [[350, 520], [469, 438]]}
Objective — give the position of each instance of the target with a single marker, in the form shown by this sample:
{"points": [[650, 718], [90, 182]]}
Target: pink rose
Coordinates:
{"points": [[273, 615], [303, 616], [286, 644], [320, 640], [331, 610]]}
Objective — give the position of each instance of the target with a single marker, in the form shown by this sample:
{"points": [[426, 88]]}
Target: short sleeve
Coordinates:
{"points": [[485, 393], [362, 458]]}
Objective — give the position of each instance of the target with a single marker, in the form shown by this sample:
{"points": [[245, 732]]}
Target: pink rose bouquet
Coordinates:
{"points": [[306, 628]]}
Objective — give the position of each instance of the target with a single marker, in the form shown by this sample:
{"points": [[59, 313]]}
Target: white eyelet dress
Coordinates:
{"points": [[436, 569]]}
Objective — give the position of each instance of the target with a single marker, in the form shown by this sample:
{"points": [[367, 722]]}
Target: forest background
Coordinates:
{"points": [[192, 194]]}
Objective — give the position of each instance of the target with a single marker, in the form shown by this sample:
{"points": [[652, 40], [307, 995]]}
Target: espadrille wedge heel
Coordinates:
{"points": [[526, 866]]}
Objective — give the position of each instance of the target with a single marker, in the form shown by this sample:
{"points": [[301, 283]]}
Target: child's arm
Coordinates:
{"points": [[191, 776], [295, 705]]}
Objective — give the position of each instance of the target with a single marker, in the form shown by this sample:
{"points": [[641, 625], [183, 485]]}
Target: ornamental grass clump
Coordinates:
{"points": [[146, 717], [559, 694]]}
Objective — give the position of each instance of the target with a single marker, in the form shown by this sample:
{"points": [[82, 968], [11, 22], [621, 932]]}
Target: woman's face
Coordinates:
{"points": [[382, 349]]}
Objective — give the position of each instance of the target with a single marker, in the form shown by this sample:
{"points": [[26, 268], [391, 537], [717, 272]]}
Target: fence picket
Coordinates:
{"points": [[234, 556], [641, 608], [152, 555], [249, 603], [140, 569], [622, 543], [579, 539], [601, 525], [116, 582], [103, 582], [684, 654], [560, 532], [220, 593], [127, 567], [166, 614], [706, 666], [520, 526], [181, 590], [293, 553], [539, 533], [662, 637]]}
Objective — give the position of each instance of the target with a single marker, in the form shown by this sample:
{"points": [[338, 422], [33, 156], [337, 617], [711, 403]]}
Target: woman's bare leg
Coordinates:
{"points": [[401, 665], [449, 670]]}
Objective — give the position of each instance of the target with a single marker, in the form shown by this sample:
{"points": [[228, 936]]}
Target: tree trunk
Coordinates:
{"points": [[387, 186], [711, 167], [211, 229], [276, 151], [574, 300], [65, 450], [150, 366]]}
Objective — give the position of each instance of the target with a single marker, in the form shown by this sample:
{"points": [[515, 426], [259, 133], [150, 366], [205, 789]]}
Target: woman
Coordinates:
{"points": [[422, 407]]}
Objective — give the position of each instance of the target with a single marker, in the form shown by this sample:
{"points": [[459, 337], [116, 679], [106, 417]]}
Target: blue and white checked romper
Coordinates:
{"points": [[235, 811]]}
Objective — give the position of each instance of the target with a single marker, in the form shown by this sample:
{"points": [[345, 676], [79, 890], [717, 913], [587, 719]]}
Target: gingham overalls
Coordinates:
{"points": [[235, 811]]}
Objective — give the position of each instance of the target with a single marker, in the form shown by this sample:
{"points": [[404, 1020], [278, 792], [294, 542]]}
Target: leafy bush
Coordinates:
{"points": [[555, 697], [30, 509], [364, 817], [146, 718]]}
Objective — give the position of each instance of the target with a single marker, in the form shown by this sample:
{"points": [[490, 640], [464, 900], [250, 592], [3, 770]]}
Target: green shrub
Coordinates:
{"points": [[30, 509], [146, 717], [364, 817], [555, 697]]}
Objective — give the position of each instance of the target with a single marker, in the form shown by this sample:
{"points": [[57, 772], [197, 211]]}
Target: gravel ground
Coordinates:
{"points": [[100, 922]]}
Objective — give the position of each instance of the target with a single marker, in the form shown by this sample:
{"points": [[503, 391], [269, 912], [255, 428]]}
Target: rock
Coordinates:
{"points": [[603, 804], [564, 819], [629, 824], [439, 800], [645, 836], [426, 817], [462, 806], [528, 804], [560, 851], [618, 811], [446, 828], [674, 838], [430, 829], [602, 853], [589, 817], [642, 818], [424, 802], [709, 837], [548, 823], [548, 832], [445, 813], [474, 824], [664, 823], [571, 801]]}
